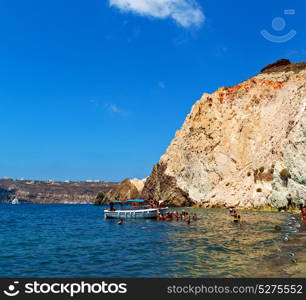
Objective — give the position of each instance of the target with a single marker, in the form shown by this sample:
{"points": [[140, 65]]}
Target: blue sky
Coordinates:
{"points": [[96, 89]]}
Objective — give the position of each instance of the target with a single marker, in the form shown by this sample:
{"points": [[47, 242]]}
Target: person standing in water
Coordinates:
{"points": [[240, 221], [303, 213], [237, 218], [233, 213], [175, 215]]}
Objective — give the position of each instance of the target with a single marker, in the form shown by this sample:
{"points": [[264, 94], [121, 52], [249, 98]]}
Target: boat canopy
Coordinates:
{"points": [[129, 201], [136, 200]]}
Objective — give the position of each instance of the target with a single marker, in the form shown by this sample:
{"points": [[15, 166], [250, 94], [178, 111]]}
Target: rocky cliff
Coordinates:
{"points": [[128, 188], [52, 192], [240, 146]]}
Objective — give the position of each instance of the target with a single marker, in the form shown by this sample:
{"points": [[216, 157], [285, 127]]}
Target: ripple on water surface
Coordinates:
{"points": [[75, 241]]}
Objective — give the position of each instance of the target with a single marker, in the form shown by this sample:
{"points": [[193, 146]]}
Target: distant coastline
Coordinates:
{"points": [[52, 192]]}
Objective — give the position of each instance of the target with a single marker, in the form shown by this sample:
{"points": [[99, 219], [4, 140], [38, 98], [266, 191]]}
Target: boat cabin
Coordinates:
{"points": [[128, 204]]}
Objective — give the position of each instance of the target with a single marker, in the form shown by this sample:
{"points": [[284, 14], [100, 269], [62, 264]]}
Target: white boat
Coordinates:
{"points": [[131, 214], [15, 201], [137, 210]]}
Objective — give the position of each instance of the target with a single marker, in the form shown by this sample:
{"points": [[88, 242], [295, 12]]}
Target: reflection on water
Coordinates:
{"points": [[289, 260], [75, 241], [215, 246]]}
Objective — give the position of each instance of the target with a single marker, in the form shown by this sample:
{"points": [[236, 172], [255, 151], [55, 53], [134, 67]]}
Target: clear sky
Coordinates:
{"points": [[96, 89]]}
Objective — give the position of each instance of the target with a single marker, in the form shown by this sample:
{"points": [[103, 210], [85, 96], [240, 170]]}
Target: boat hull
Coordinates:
{"points": [[150, 213]]}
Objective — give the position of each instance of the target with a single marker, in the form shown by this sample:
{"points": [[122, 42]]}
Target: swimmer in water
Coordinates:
{"points": [[303, 209], [188, 220], [234, 213], [303, 219], [120, 222], [237, 219], [194, 217], [169, 216], [277, 228], [241, 223], [303, 213], [176, 216]]}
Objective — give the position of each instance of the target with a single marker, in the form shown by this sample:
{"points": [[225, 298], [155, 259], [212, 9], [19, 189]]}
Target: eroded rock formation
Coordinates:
{"points": [[236, 144], [128, 188]]}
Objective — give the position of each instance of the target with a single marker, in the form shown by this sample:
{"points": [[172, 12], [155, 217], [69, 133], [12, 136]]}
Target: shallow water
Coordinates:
{"points": [[75, 241]]}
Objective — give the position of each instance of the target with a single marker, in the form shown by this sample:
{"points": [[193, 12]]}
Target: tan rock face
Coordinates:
{"points": [[128, 188], [138, 183], [235, 142]]}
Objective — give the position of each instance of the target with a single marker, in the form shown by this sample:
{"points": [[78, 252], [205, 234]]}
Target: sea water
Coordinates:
{"points": [[76, 241]]}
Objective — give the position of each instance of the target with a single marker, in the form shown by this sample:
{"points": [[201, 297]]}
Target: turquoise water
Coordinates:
{"points": [[76, 241]]}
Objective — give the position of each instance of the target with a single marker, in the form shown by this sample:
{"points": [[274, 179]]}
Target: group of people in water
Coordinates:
{"points": [[185, 216], [238, 219], [236, 216], [175, 216]]}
